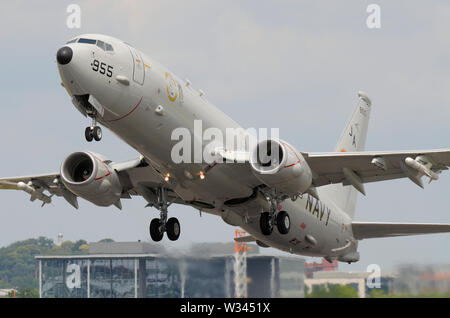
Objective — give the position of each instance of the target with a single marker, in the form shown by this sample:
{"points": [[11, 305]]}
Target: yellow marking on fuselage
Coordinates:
{"points": [[171, 80]]}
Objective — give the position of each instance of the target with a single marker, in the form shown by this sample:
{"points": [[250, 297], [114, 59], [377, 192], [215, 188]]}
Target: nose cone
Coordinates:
{"points": [[64, 55]]}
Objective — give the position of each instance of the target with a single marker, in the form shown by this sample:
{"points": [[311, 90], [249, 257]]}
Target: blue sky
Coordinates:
{"points": [[288, 64]]}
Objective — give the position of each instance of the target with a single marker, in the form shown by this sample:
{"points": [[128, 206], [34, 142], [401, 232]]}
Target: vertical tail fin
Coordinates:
{"points": [[353, 138]]}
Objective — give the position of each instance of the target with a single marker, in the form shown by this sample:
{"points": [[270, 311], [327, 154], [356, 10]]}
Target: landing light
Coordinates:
{"points": [[167, 177], [202, 175]]}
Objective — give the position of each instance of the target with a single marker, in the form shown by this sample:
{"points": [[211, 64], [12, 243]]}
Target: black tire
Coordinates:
{"points": [[88, 134], [97, 132], [173, 229], [155, 232], [265, 223], [283, 222]]}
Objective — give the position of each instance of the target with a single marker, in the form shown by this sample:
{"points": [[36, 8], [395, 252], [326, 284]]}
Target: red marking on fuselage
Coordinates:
{"points": [[210, 167], [303, 225], [128, 114], [295, 241]]}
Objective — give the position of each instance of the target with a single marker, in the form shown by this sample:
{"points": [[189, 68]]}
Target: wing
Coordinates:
{"points": [[136, 176], [142, 179], [357, 168], [37, 186], [364, 230]]}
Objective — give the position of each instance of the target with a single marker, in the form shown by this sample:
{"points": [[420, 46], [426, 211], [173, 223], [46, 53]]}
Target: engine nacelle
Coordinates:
{"points": [[88, 176], [280, 166]]}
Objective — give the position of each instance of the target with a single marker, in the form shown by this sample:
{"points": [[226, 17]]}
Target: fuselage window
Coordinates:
{"points": [[87, 41], [109, 47], [101, 44]]}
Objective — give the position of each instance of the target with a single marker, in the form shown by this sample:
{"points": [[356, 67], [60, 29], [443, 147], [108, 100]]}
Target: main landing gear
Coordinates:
{"points": [[159, 226], [268, 220], [93, 131]]}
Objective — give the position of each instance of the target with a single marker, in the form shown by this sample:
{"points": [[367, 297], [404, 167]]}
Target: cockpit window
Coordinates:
{"points": [[72, 41], [101, 44], [109, 47], [87, 41], [104, 46]]}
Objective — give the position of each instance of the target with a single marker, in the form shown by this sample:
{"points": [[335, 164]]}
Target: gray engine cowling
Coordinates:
{"points": [[89, 176], [280, 166]]}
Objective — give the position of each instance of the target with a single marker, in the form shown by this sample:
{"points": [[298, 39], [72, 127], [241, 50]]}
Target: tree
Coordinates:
{"points": [[78, 244], [332, 291], [106, 240], [28, 292], [67, 245], [377, 293], [84, 248], [18, 265]]}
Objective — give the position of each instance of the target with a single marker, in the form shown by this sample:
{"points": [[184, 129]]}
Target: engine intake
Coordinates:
{"points": [[279, 165], [88, 176]]}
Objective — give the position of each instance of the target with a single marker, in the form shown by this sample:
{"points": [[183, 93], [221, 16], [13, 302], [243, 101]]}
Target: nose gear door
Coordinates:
{"points": [[138, 66]]}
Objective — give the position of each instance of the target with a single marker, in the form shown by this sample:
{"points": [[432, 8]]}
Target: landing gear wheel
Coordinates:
{"points": [[283, 222], [173, 229], [265, 223], [155, 230], [97, 133], [88, 133]]}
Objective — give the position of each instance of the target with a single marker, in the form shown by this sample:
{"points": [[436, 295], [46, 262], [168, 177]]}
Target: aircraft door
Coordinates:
{"points": [[138, 67]]}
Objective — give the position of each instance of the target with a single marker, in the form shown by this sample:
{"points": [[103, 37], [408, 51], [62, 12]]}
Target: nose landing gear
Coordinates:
{"points": [[93, 131], [161, 225]]}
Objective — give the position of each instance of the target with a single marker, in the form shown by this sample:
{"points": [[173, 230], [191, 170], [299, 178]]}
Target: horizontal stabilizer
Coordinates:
{"points": [[364, 230]]}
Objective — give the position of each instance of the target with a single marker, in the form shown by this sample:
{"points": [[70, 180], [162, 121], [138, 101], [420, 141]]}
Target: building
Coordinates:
{"points": [[313, 267], [418, 278], [358, 280], [292, 277], [134, 269], [7, 292]]}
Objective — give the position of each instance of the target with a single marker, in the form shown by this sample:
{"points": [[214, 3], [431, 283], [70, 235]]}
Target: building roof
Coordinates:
{"points": [[133, 250], [125, 248], [340, 275], [98, 256]]}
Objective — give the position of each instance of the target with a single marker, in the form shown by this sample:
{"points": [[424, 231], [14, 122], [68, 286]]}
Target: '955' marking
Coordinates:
{"points": [[102, 68]]}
